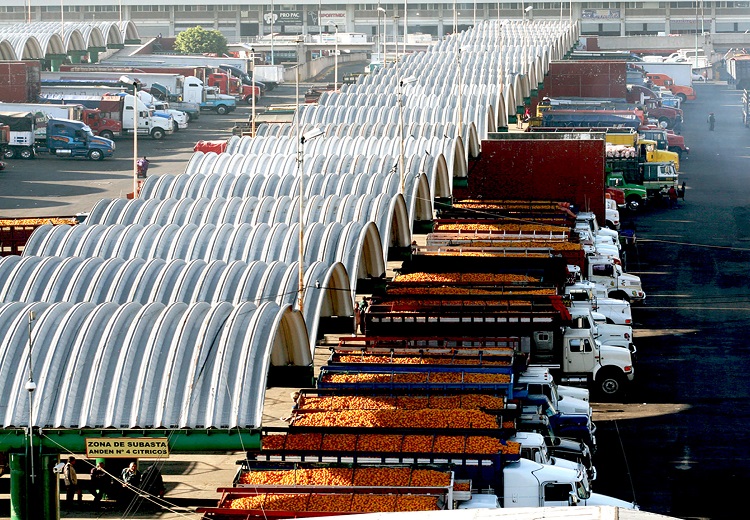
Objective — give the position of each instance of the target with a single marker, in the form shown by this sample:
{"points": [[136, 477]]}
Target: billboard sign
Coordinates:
{"points": [[600, 14], [283, 18], [333, 18]]}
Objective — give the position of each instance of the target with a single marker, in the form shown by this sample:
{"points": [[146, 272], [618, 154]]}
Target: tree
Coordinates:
{"points": [[198, 40]]}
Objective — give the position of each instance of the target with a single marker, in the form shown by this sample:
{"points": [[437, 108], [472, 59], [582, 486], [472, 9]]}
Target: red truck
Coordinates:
{"points": [[233, 86]]}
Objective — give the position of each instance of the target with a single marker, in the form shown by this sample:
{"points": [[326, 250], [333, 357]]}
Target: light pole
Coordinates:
{"points": [[308, 136], [128, 81], [30, 387], [336, 59], [252, 71], [385, 36], [401, 85], [273, 16], [380, 10], [62, 22], [460, 91], [406, 18]]}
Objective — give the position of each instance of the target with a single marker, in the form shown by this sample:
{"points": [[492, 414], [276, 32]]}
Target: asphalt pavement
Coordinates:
{"points": [[679, 445]]}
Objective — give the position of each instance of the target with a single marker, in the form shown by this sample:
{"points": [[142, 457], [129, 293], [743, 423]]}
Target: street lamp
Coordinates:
{"points": [[30, 387], [406, 17], [307, 136], [527, 11], [128, 81], [460, 91], [385, 36], [377, 47], [401, 85], [336, 59], [252, 71]]}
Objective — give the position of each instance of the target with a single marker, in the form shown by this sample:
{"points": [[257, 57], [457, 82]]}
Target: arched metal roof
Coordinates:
{"points": [[104, 366], [25, 46], [39, 39]]}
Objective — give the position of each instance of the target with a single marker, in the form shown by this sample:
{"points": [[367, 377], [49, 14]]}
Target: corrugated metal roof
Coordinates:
{"points": [[143, 366]]}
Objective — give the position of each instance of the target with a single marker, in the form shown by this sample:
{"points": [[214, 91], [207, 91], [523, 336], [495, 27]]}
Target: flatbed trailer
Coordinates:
{"points": [[412, 378], [386, 446], [305, 501], [452, 313]]}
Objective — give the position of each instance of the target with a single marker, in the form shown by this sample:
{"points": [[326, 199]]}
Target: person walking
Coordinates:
{"points": [[711, 121], [100, 482], [361, 311], [71, 483], [672, 193]]}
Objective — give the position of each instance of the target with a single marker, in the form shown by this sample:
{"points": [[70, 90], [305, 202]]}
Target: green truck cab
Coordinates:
{"points": [[641, 182]]}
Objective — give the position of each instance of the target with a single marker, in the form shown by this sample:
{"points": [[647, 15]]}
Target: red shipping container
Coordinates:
{"points": [[563, 170]]}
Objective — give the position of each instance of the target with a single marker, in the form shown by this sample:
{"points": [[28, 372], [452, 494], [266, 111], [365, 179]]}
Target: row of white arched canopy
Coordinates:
{"points": [[198, 278], [37, 40]]}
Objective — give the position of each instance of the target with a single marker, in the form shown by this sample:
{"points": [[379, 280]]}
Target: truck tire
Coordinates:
{"points": [[665, 119], [26, 153], [221, 110], [682, 97], [157, 133], [634, 203], [175, 126], [610, 383], [107, 134], [9, 153], [96, 155]]}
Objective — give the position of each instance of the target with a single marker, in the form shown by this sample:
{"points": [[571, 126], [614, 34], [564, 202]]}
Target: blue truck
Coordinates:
{"points": [[58, 137]]}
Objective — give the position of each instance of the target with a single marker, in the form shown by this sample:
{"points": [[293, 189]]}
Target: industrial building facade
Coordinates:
{"points": [[245, 21]]}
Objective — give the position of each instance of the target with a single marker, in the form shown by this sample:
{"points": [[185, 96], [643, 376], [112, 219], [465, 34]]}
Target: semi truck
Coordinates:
{"points": [[101, 126], [738, 68], [61, 138], [121, 107], [173, 82], [651, 109], [196, 93], [681, 74], [681, 91], [419, 302]]}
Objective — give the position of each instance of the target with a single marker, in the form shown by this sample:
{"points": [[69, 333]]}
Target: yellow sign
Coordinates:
{"points": [[129, 448]]}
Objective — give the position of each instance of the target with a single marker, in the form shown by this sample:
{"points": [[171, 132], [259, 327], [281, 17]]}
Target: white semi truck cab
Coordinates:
{"points": [[578, 358], [530, 484]]}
